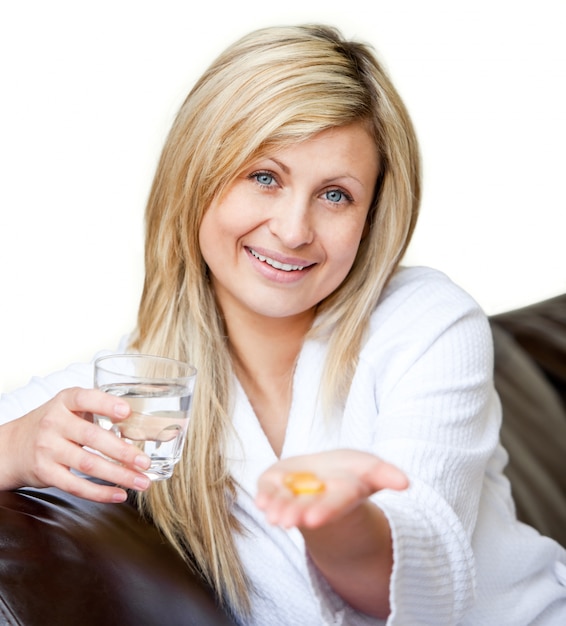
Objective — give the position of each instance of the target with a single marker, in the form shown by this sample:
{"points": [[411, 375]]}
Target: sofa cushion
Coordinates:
{"points": [[540, 329], [529, 381]]}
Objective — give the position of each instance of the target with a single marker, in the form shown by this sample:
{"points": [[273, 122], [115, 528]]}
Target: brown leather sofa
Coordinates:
{"points": [[65, 561]]}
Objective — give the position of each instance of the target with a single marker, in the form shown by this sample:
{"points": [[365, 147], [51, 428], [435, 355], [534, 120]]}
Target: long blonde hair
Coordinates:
{"points": [[274, 87]]}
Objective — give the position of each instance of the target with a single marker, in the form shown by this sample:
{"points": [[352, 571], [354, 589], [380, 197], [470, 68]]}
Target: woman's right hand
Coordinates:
{"points": [[40, 448]]}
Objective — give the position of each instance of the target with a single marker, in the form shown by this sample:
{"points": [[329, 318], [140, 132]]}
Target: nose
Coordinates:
{"points": [[292, 223]]}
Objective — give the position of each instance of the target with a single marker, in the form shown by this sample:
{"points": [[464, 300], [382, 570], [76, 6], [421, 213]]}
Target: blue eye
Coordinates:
{"points": [[263, 178], [337, 196]]}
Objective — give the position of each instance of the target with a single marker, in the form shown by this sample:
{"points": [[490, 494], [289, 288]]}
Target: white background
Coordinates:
{"points": [[89, 89]]}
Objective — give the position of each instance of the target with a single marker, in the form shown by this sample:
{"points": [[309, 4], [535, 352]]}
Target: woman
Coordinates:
{"points": [[285, 197]]}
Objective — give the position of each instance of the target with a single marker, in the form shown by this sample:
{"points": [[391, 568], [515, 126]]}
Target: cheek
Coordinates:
{"points": [[345, 243], [214, 241], [204, 238], [215, 225], [228, 219]]}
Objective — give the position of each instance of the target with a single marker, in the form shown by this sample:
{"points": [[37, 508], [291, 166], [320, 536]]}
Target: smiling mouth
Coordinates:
{"points": [[286, 267]]}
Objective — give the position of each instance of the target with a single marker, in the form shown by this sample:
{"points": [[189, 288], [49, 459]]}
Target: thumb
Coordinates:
{"points": [[384, 475]]}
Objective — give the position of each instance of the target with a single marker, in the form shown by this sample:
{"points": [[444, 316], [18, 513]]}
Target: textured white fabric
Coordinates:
{"points": [[40, 390], [423, 398]]}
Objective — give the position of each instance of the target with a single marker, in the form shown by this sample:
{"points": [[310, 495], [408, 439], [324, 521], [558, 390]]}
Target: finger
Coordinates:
{"points": [[383, 475], [271, 494], [299, 511], [97, 438], [335, 503], [71, 483], [277, 502], [265, 494], [308, 510], [281, 506], [64, 454], [79, 400], [97, 466], [341, 495]]}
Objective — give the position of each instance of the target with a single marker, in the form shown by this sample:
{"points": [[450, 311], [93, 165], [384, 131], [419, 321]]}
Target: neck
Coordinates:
{"points": [[264, 354], [267, 346]]}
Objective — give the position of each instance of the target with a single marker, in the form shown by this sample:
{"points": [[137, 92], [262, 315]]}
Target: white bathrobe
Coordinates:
{"points": [[422, 398]]}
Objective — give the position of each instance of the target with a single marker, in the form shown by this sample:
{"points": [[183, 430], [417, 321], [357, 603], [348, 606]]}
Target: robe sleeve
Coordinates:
{"points": [[438, 420]]}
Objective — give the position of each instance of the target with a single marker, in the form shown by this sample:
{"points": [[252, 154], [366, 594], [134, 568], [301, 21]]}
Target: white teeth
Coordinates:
{"points": [[286, 267]]}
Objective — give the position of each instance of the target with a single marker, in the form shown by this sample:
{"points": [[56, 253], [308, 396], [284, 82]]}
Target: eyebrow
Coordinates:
{"points": [[280, 164]]}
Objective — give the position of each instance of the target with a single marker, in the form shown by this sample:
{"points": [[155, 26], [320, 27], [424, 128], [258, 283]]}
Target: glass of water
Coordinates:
{"points": [[159, 390]]}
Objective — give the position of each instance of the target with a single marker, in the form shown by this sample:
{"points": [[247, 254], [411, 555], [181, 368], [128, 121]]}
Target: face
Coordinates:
{"points": [[286, 233]]}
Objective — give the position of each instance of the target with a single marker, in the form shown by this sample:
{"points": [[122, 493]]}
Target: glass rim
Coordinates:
{"points": [[190, 371]]}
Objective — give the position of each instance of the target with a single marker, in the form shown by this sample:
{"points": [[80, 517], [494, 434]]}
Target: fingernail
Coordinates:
{"points": [[121, 410], [120, 496], [142, 462], [141, 482]]}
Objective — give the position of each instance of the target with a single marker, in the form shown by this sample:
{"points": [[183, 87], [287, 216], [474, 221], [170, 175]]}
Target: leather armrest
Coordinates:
{"points": [[65, 560]]}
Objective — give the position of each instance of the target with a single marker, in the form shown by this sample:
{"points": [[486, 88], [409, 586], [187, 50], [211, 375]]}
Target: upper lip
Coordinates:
{"points": [[281, 258]]}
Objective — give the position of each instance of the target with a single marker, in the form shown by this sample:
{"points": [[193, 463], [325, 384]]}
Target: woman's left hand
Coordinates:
{"points": [[349, 477]]}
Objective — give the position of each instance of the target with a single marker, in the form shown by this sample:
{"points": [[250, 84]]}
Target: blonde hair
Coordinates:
{"points": [[274, 87]]}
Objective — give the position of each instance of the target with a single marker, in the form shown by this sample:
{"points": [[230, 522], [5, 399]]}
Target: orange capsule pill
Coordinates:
{"points": [[303, 483]]}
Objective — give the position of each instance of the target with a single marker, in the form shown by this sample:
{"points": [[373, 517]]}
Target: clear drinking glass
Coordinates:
{"points": [[159, 391]]}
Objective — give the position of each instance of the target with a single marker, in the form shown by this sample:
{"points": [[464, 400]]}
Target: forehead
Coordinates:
{"points": [[344, 141], [351, 147]]}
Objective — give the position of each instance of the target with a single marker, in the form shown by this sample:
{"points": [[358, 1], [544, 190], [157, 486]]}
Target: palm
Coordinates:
{"points": [[349, 477]]}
